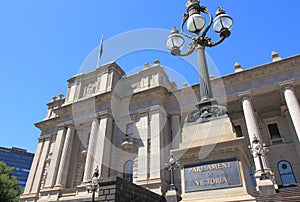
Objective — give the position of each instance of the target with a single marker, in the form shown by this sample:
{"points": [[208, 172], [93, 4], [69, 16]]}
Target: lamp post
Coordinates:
{"points": [[93, 185], [128, 143], [196, 25], [172, 165], [259, 150]]}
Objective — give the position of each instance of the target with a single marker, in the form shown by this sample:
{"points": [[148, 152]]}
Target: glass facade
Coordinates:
{"points": [[20, 160]]}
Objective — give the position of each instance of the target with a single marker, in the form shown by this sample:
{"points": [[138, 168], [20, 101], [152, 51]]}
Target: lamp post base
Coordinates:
{"points": [[172, 196], [264, 176], [266, 186], [208, 110], [206, 102]]}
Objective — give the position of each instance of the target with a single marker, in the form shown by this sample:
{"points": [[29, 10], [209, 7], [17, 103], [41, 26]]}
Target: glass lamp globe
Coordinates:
{"points": [[88, 187], [222, 24], [94, 180], [256, 146], [174, 40], [195, 23], [171, 160], [265, 149]]}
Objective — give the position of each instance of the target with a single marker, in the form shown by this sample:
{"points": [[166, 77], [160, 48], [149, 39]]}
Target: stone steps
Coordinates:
{"points": [[291, 193], [285, 194]]}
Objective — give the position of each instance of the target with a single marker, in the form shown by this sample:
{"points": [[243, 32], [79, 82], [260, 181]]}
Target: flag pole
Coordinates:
{"points": [[100, 51]]}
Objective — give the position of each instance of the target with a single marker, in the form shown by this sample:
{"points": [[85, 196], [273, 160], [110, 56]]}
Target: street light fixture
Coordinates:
{"points": [[259, 150], [128, 143], [172, 165], [93, 184], [195, 23]]}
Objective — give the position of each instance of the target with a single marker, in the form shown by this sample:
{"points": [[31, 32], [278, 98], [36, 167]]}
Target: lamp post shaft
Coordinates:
{"points": [[93, 196], [172, 186], [263, 174], [205, 88]]}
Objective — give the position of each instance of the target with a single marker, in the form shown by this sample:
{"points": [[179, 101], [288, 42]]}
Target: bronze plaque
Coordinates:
{"points": [[214, 175]]}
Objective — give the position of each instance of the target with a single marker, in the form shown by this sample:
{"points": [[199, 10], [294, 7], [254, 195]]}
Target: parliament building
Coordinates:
{"points": [[127, 126]]}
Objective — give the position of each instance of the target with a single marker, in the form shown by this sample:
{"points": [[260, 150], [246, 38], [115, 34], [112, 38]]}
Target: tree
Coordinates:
{"points": [[9, 191]]}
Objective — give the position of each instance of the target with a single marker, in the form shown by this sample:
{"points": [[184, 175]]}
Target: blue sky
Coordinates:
{"points": [[44, 43]]}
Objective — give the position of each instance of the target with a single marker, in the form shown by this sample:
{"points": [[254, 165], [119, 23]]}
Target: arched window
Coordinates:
{"points": [[128, 171], [286, 173]]}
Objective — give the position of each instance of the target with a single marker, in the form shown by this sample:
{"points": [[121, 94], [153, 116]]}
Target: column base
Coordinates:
{"points": [[58, 186]]}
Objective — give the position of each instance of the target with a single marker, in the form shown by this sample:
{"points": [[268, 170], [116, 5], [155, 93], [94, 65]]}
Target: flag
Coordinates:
{"points": [[100, 50]]}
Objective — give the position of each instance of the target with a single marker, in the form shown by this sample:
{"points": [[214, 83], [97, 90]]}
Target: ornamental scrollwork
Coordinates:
{"points": [[205, 114]]}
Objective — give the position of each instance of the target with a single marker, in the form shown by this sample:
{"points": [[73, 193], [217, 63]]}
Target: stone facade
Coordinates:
{"points": [[87, 128]]}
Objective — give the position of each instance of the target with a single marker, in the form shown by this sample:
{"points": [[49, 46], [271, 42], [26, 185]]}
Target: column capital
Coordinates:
{"points": [[245, 95], [157, 108], [95, 117], [175, 114], [67, 124], [71, 126], [104, 114], [45, 137], [60, 127], [288, 84]]}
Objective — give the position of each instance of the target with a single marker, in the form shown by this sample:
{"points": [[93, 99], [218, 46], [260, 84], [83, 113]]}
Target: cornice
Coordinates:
{"points": [[262, 70], [42, 125], [103, 68], [148, 92], [84, 103]]}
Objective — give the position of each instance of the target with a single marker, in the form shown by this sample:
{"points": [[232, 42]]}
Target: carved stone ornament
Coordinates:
{"points": [[205, 114]]}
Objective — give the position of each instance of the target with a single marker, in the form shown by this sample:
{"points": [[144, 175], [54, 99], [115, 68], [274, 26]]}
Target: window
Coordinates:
{"points": [[238, 130], [128, 171], [274, 133], [273, 130], [286, 173]]}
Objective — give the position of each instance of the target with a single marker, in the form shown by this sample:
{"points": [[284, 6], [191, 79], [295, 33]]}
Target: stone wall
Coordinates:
{"points": [[116, 189]]}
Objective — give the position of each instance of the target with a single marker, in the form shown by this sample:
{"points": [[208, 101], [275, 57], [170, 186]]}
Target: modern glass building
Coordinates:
{"points": [[20, 159]]}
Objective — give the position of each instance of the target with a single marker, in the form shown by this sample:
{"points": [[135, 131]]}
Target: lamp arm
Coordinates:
{"points": [[184, 19], [191, 48], [211, 43], [204, 10]]}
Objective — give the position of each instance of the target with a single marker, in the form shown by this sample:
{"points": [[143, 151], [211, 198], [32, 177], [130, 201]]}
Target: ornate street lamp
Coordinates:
{"points": [[93, 184], [259, 150], [196, 25], [172, 165], [128, 143]]}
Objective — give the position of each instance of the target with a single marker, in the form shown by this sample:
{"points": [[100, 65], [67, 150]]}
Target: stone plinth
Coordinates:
{"points": [[214, 163], [266, 187]]}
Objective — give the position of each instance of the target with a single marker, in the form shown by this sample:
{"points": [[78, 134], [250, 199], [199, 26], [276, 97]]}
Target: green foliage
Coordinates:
{"points": [[9, 191]]}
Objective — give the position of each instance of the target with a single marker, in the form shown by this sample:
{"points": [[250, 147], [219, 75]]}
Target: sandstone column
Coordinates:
{"points": [[33, 168], [176, 131], [264, 186], [55, 159], [102, 153], [252, 127], [293, 107], [65, 157], [106, 147], [39, 172], [91, 150], [157, 125], [142, 130]]}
